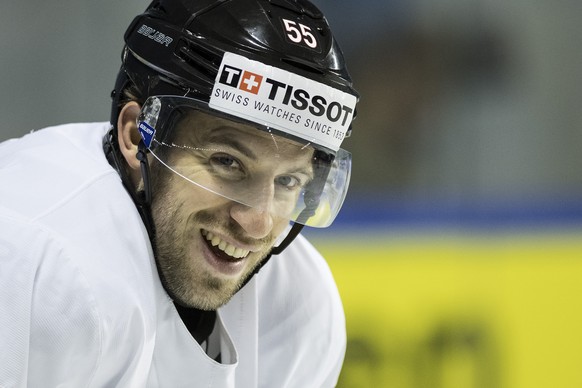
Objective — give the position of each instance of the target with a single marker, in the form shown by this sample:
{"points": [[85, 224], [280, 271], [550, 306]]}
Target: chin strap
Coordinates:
{"points": [[142, 200], [144, 204], [293, 233]]}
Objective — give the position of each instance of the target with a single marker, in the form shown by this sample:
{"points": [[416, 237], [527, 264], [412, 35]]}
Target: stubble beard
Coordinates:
{"points": [[188, 284]]}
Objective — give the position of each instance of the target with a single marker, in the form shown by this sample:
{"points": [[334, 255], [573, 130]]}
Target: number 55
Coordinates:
{"points": [[299, 35]]}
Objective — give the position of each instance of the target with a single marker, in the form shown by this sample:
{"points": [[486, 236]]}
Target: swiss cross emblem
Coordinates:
{"points": [[251, 82]]}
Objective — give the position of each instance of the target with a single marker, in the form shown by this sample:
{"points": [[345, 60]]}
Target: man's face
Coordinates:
{"points": [[207, 244]]}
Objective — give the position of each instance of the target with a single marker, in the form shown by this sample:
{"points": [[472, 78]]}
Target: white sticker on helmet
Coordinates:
{"points": [[283, 100]]}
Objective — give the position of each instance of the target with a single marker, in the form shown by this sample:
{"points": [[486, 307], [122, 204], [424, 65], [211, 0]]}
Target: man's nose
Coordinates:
{"points": [[257, 223]]}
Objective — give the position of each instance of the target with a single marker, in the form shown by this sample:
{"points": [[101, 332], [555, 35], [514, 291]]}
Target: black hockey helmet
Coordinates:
{"points": [[272, 64], [176, 46]]}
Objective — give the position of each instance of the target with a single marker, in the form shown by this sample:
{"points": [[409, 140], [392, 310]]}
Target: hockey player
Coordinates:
{"points": [[130, 251]]}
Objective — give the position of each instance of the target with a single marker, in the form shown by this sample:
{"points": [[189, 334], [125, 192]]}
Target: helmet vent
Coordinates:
{"points": [[201, 59]]}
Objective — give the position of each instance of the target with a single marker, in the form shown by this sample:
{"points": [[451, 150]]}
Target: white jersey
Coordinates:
{"points": [[81, 304]]}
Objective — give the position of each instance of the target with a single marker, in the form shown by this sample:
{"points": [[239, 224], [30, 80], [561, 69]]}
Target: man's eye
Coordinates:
{"points": [[288, 181], [224, 161], [226, 165]]}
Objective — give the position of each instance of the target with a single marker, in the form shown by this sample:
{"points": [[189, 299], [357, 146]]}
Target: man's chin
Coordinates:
{"points": [[210, 294]]}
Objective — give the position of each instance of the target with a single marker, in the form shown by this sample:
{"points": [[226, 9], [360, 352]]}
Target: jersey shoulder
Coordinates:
{"points": [[302, 333], [47, 166]]}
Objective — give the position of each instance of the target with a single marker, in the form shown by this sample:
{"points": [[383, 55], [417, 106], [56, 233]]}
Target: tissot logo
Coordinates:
{"points": [[298, 98], [244, 80], [280, 99]]}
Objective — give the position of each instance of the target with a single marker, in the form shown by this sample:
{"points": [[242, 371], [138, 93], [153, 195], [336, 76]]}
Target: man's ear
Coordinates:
{"points": [[127, 133]]}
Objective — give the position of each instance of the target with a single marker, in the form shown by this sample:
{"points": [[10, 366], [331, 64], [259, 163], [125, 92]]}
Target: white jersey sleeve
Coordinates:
{"points": [[73, 310], [47, 330]]}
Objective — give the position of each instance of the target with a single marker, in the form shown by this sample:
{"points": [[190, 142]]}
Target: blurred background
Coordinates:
{"points": [[458, 253]]}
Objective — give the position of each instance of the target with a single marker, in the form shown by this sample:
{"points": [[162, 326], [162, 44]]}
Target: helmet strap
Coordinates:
{"points": [[144, 204], [141, 201], [145, 171], [293, 233]]}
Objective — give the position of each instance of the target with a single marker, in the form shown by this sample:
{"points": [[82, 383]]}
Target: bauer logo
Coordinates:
{"points": [[147, 133], [275, 97], [155, 35]]}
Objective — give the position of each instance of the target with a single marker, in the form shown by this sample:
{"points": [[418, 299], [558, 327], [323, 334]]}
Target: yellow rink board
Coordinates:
{"points": [[461, 311]]}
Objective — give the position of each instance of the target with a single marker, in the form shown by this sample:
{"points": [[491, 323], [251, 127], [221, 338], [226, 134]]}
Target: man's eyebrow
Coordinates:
{"points": [[224, 136], [230, 140]]}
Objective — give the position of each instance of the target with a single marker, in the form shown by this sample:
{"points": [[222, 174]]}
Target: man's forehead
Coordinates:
{"points": [[202, 127]]}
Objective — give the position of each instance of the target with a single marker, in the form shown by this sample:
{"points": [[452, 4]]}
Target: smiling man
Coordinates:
{"points": [[163, 249], [209, 243]]}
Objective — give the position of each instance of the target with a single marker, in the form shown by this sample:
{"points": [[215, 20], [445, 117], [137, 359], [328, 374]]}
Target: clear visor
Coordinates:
{"points": [[245, 162]]}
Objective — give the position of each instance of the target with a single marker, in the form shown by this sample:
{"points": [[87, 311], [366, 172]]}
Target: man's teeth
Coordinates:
{"points": [[227, 248]]}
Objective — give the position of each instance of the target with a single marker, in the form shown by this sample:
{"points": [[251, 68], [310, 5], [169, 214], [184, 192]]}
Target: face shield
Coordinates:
{"points": [[276, 159]]}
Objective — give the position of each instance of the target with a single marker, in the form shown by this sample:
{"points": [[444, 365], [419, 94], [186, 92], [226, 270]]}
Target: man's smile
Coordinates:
{"points": [[230, 250]]}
